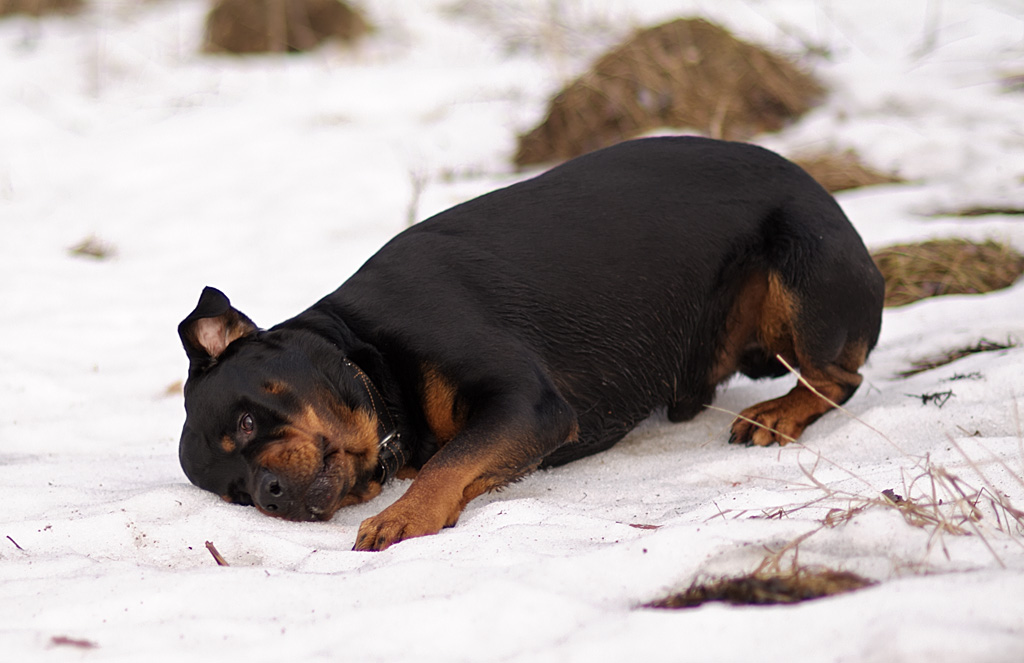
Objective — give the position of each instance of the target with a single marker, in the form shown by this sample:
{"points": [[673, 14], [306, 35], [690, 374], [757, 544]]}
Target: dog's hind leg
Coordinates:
{"points": [[822, 313], [823, 383]]}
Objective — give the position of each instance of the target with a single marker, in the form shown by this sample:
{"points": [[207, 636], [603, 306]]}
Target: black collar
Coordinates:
{"points": [[390, 455]]}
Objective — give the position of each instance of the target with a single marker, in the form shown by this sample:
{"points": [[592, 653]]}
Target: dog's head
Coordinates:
{"points": [[277, 419]]}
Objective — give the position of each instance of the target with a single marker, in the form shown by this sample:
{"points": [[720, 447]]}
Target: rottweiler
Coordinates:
{"points": [[532, 326]]}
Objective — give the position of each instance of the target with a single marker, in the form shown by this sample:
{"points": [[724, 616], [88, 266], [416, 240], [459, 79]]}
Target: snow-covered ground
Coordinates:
{"points": [[274, 178]]}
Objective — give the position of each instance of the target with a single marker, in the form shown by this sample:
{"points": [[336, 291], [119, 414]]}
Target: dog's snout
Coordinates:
{"points": [[270, 493]]}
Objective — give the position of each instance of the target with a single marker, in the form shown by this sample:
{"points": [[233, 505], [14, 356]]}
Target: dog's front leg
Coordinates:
{"points": [[506, 439]]}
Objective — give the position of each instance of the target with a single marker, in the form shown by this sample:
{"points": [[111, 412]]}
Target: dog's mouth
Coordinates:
{"points": [[318, 497], [328, 488]]}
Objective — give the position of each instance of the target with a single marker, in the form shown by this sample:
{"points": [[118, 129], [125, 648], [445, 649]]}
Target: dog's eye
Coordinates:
{"points": [[246, 425]]}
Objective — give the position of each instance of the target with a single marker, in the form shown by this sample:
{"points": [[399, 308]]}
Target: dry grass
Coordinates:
{"points": [[275, 26], [938, 501], [75, 643], [841, 171], [946, 267], [92, 247], [1013, 82], [39, 7], [982, 211], [686, 73], [948, 357], [216, 554], [943, 503], [766, 588]]}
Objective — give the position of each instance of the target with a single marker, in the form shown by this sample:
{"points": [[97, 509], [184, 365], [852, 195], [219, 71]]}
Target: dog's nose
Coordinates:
{"points": [[269, 491]]}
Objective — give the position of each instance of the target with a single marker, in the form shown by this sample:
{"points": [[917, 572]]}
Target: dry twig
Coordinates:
{"points": [[216, 555]]}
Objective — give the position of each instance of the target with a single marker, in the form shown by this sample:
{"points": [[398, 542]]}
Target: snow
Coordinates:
{"points": [[275, 178]]}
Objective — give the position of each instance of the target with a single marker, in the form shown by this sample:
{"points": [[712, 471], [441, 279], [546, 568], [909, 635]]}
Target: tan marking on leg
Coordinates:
{"points": [[444, 412], [761, 315], [784, 419], [741, 326], [775, 328], [407, 472], [436, 498]]}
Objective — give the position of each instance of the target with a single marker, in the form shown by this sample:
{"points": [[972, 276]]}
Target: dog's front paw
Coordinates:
{"points": [[397, 523]]}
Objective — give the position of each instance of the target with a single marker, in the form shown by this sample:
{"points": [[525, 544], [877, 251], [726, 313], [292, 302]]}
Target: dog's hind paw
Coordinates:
{"points": [[780, 420]]}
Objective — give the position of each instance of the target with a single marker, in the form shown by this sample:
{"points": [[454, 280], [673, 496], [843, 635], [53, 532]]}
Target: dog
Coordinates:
{"points": [[532, 326]]}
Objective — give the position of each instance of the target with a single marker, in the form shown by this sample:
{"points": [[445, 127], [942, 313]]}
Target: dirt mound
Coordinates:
{"points": [[39, 7], [839, 171], [946, 267], [274, 26], [685, 73], [766, 588]]}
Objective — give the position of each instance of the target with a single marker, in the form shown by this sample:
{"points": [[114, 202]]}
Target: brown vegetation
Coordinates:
{"points": [[948, 357], [766, 588], [840, 171], [250, 26], [686, 73], [39, 7], [946, 267]]}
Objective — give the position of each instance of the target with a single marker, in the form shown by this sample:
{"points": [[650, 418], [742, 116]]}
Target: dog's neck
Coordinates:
{"points": [[390, 452]]}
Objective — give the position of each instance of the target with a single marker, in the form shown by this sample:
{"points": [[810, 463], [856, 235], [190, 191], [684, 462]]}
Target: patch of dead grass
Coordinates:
{"points": [[945, 267], [841, 171], [948, 357], [937, 500], [277, 26], [687, 73], [92, 247], [766, 588], [39, 7], [982, 210]]}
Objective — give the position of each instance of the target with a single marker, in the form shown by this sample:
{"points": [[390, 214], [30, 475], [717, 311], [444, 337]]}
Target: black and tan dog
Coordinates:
{"points": [[533, 326]]}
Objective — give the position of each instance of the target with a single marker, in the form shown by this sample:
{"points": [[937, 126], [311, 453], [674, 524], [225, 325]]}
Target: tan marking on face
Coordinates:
{"points": [[296, 455], [348, 439], [354, 431], [359, 496], [227, 444], [274, 388], [442, 408]]}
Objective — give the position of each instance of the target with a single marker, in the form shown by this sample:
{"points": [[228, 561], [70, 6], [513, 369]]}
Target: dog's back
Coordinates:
{"points": [[618, 272]]}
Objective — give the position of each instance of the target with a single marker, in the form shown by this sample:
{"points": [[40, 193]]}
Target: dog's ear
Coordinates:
{"points": [[211, 327]]}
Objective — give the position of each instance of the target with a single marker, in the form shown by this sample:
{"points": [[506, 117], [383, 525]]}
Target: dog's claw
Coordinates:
{"points": [[399, 522]]}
